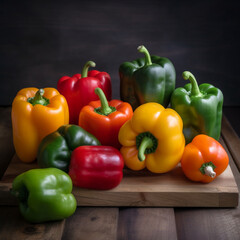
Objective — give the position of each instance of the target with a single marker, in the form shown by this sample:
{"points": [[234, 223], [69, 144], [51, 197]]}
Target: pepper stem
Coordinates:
{"points": [[145, 143], [86, 67], [39, 98], [208, 169], [209, 172], [148, 60], [105, 109], [195, 89]]}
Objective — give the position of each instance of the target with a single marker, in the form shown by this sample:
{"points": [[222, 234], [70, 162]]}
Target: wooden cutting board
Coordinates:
{"points": [[143, 189]]}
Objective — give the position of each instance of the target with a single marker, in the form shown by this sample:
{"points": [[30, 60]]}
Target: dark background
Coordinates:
{"points": [[43, 40]]}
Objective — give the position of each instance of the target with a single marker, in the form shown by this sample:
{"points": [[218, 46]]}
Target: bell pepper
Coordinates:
{"points": [[44, 195], [204, 159], [200, 108], [79, 89], [149, 79], [153, 138], [103, 119], [96, 167], [56, 148], [35, 114]]}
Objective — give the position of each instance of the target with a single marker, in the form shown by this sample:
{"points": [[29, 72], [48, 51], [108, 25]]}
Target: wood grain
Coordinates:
{"points": [[146, 223], [13, 226], [210, 223], [143, 189], [92, 224], [6, 146], [146, 189], [232, 141], [198, 223]]}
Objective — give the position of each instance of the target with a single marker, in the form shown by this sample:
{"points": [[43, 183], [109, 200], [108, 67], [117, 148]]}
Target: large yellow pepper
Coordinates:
{"points": [[153, 138], [34, 116]]}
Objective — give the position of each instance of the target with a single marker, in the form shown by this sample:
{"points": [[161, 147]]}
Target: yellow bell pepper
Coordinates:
{"points": [[34, 116], [153, 138]]}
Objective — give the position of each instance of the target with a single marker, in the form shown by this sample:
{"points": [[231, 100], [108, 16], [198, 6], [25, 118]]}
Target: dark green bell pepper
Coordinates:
{"points": [[44, 195], [200, 108], [56, 148], [149, 79]]}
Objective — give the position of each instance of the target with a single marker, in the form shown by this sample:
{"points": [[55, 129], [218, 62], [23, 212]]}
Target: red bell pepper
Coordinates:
{"points": [[79, 89], [104, 119], [96, 167]]}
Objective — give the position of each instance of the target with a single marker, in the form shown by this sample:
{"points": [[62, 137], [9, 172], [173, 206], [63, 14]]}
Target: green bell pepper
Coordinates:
{"points": [[149, 79], [44, 195], [200, 108], [56, 148]]}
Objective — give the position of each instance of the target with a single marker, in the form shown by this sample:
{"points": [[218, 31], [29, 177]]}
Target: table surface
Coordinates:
{"points": [[128, 222]]}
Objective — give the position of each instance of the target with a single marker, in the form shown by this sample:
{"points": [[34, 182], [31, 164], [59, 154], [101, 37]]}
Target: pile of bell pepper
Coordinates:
{"points": [[81, 137]]}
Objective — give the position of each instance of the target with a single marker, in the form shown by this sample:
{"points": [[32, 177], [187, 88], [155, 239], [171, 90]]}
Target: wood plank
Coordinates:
{"points": [[146, 223], [16, 167], [92, 224], [143, 189], [6, 143], [198, 224], [146, 189], [13, 226], [210, 223], [232, 141], [232, 114]]}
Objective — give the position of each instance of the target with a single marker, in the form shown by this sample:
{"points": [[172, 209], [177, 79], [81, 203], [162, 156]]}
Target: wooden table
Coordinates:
{"points": [[127, 222]]}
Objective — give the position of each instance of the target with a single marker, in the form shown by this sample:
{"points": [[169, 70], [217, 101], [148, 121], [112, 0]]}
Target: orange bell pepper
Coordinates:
{"points": [[204, 159], [34, 116], [153, 138], [103, 119]]}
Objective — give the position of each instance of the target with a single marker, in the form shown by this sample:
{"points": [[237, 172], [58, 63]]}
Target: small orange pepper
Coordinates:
{"points": [[204, 159], [35, 114]]}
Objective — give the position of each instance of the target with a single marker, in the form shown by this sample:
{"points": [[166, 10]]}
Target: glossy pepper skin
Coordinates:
{"points": [[200, 108], [79, 89], [149, 79], [56, 148], [153, 138], [96, 167], [103, 119], [204, 159], [44, 195], [35, 114]]}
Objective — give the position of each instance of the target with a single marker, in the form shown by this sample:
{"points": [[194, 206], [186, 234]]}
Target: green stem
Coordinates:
{"points": [[39, 98], [145, 143], [86, 67], [105, 109], [195, 89], [148, 60]]}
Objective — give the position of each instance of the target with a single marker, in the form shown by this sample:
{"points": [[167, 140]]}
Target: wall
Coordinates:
{"points": [[43, 40]]}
